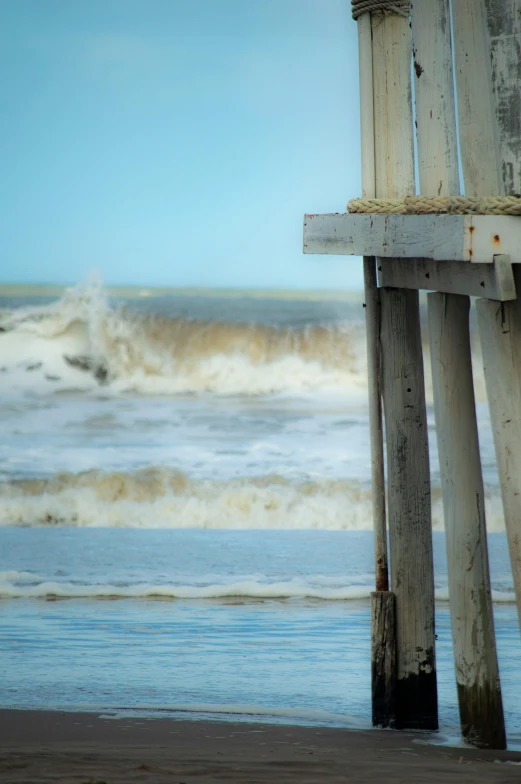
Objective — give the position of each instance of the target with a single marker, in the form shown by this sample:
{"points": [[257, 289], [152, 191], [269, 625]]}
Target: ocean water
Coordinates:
{"points": [[185, 509]]}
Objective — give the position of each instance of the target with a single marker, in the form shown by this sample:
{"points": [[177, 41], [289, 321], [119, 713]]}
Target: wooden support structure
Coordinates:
{"points": [[388, 170], [456, 256], [383, 645], [372, 310], [409, 510], [477, 672], [476, 665], [409, 504]]}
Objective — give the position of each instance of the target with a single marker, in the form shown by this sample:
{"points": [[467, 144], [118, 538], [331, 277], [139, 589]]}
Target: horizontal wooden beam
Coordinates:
{"points": [[475, 238], [491, 281]]}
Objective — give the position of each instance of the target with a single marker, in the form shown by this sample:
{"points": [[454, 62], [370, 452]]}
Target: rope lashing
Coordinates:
{"points": [[450, 205], [382, 7]]}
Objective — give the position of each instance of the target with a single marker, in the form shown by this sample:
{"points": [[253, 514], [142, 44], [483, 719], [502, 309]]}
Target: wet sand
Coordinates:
{"points": [[83, 748]]}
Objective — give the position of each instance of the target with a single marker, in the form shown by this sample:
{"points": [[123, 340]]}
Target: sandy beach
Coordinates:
{"points": [[84, 748]]}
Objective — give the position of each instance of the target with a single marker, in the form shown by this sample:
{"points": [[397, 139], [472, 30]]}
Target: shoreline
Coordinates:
{"points": [[63, 747]]}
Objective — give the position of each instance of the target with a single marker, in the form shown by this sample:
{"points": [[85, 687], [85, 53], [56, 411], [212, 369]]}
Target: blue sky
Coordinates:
{"points": [[176, 142]]}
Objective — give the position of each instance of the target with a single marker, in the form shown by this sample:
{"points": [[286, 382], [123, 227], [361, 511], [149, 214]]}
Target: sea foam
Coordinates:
{"points": [[167, 498]]}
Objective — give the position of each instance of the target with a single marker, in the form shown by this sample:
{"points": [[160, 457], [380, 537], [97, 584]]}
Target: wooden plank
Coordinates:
{"points": [[505, 278], [471, 238], [477, 673], [478, 131], [409, 508], [365, 70], [434, 98], [393, 131], [500, 330], [405, 236], [487, 35], [504, 35], [376, 434], [495, 281], [372, 309], [383, 658]]}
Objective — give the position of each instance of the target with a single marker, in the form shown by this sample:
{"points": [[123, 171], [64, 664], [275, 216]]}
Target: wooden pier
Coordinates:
{"points": [[457, 240]]}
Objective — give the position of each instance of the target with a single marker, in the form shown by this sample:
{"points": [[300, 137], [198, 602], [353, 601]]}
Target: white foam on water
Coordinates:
{"points": [[324, 587], [166, 498], [291, 589], [312, 715]]}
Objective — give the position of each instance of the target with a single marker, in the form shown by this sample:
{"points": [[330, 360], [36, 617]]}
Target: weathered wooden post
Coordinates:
{"points": [[372, 308], [500, 328], [490, 122], [383, 644], [477, 673], [409, 507]]}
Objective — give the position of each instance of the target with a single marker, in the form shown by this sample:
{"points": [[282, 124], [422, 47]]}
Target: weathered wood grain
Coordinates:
{"points": [[477, 673], [488, 82], [383, 658], [500, 331], [434, 98], [393, 131], [416, 693], [478, 131], [409, 508], [504, 36], [465, 238], [495, 281], [372, 309]]}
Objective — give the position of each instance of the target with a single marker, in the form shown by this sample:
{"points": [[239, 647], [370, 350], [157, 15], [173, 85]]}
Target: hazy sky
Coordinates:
{"points": [[176, 142]]}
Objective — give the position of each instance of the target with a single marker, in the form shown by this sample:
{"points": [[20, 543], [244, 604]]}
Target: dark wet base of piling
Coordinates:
{"points": [[482, 720], [417, 700]]}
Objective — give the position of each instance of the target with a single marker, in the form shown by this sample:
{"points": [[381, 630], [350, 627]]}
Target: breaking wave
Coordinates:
{"points": [[166, 498], [81, 342]]}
